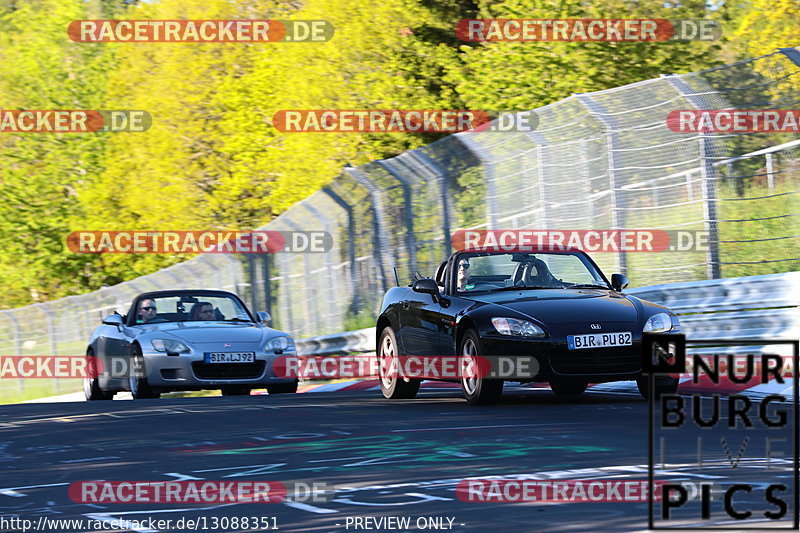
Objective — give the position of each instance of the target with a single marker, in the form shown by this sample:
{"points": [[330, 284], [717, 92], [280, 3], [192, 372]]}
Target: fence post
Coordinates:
{"points": [[251, 274], [708, 176], [267, 284], [489, 166], [411, 244], [332, 282], [311, 314], [381, 240], [441, 177], [613, 143], [351, 237], [770, 173]]}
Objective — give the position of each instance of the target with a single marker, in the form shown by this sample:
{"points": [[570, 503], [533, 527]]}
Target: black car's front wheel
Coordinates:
{"points": [[663, 385], [137, 377], [478, 390], [393, 386]]}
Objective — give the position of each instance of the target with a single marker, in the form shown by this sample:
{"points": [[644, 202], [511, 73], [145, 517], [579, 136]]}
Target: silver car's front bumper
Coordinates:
{"points": [[190, 371]]}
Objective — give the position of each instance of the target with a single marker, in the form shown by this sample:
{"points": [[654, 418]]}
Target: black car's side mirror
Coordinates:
{"points": [[426, 285], [619, 282], [113, 320]]}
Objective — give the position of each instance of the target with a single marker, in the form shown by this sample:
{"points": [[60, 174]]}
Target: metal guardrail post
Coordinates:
{"points": [[597, 111], [381, 254], [708, 176], [411, 244], [489, 167]]}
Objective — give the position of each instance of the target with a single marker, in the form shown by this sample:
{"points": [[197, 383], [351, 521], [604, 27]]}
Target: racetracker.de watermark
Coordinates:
{"points": [[627, 240], [552, 491], [406, 366], [734, 120], [73, 121], [200, 491], [583, 30], [198, 242], [403, 120], [200, 31]]}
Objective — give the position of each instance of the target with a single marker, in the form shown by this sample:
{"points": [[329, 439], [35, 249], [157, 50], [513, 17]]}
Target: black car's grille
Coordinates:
{"points": [[228, 370], [599, 361]]}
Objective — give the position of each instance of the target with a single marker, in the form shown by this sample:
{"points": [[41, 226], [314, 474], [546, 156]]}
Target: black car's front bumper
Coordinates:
{"points": [[554, 361]]}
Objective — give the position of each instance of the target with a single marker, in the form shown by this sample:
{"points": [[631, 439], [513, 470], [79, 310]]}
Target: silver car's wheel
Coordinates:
{"points": [[137, 377], [392, 385], [91, 385], [477, 389]]}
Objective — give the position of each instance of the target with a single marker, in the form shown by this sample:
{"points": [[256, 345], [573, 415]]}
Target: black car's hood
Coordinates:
{"points": [[565, 306]]}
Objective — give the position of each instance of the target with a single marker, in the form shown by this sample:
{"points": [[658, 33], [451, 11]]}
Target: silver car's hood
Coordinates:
{"points": [[211, 332]]}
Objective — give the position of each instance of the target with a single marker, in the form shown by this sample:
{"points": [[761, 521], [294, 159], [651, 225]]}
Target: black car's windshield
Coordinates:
{"points": [[507, 271], [188, 307]]}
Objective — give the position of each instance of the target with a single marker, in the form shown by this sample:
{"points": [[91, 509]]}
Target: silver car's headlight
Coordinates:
{"points": [[513, 326], [279, 344], [659, 323], [169, 345]]}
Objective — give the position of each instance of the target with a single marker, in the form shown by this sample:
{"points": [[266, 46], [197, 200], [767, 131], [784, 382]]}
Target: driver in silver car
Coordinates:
{"points": [[147, 311]]}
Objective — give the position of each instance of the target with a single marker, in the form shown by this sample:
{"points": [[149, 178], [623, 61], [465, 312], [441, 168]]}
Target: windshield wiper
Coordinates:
{"points": [[587, 286]]}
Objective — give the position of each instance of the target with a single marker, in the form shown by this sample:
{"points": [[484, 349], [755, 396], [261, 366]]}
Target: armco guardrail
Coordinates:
{"points": [[361, 340], [745, 308]]}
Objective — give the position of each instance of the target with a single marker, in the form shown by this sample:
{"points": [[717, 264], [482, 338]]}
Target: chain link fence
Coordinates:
{"points": [[602, 160]]}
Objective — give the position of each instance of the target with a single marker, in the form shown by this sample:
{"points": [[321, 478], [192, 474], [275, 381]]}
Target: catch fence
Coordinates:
{"points": [[601, 160]]}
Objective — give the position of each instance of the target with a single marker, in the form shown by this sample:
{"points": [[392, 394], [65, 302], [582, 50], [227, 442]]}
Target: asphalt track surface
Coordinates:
{"points": [[384, 458]]}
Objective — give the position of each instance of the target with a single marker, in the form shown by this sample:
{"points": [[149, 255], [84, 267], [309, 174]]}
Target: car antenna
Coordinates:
{"points": [[396, 279]]}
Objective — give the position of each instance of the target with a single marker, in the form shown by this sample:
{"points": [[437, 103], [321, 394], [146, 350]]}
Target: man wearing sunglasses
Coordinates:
{"points": [[147, 311]]}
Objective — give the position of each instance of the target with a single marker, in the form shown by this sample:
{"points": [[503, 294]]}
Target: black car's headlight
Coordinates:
{"points": [[169, 345], [279, 344], [660, 322], [514, 326]]}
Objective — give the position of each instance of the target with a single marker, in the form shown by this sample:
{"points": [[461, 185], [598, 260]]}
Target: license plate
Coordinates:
{"points": [[230, 357], [599, 340]]}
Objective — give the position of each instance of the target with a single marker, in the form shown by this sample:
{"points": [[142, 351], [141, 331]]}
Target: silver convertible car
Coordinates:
{"points": [[186, 340]]}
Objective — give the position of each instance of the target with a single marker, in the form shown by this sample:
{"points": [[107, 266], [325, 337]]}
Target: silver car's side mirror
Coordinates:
{"points": [[113, 320], [264, 317]]}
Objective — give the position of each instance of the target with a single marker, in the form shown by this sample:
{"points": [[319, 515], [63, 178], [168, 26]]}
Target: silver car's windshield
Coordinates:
{"points": [[506, 271], [190, 308]]}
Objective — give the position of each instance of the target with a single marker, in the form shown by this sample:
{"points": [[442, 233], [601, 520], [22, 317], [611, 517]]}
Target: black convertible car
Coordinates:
{"points": [[556, 308]]}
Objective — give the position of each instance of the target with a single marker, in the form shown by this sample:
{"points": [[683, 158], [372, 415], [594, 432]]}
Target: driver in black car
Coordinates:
{"points": [[463, 276]]}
